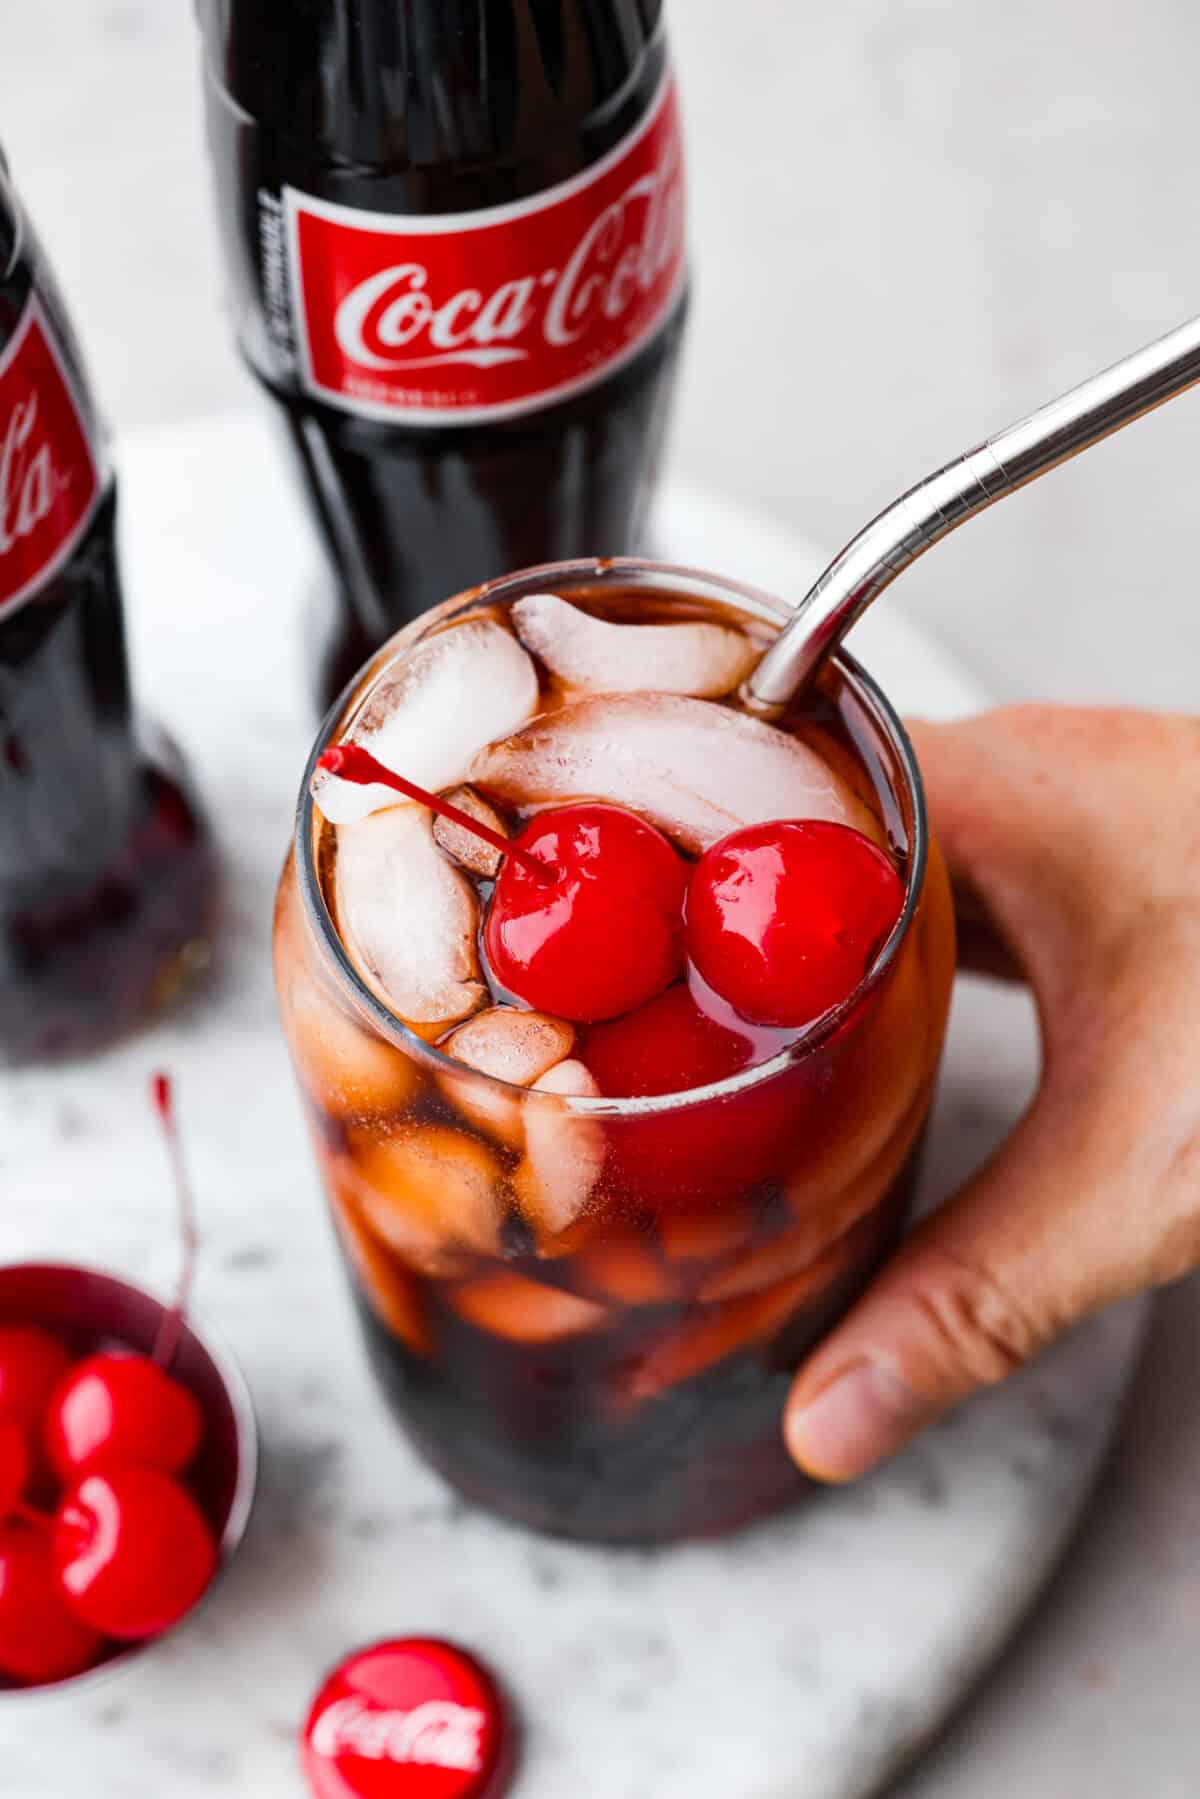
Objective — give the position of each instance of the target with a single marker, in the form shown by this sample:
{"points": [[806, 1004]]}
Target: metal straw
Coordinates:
{"points": [[953, 494]]}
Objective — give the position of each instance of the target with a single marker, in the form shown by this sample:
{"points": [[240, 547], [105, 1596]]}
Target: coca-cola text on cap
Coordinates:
{"points": [[414, 1718]]}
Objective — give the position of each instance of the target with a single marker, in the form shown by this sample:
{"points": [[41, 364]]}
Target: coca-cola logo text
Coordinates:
{"points": [[494, 313], [29, 482], [391, 317], [437, 1733], [48, 479]]}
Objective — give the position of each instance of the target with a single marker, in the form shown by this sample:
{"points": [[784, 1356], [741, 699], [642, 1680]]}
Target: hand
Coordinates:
{"points": [[1073, 842]]}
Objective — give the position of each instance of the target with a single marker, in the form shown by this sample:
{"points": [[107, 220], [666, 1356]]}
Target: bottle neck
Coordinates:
{"points": [[418, 84], [10, 222]]}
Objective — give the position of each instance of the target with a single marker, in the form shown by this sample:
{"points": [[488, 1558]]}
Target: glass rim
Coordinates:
{"points": [[692, 582]]}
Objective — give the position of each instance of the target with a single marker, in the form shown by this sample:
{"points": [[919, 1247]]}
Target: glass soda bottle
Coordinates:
{"points": [[455, 235], [106, 866]]}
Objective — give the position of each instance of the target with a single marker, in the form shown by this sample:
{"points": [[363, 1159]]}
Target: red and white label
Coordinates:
{"points": [[49, 482], [460, 317]]}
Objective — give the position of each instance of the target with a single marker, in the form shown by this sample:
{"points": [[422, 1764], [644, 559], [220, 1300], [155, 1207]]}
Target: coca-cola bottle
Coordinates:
{"points": [[106, 868], [455, 232]]}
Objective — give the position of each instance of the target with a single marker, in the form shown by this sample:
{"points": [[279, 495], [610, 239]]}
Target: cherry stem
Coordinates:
{"points": [[171, 1328], [353, 763]]}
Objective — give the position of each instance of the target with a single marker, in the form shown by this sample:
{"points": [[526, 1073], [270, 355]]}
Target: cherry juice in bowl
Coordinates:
{"points": [[617, 1076]]}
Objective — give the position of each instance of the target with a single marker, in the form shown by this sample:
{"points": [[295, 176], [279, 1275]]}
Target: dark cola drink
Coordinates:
{"points": [[106, 870], [455, 233]]}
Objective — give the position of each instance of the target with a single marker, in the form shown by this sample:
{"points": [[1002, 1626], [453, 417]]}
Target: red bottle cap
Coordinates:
{"points": [[411, 1719]]}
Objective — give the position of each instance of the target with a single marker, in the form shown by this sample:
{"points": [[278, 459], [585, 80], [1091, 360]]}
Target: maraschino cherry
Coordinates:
{"points": [[666, 1046], [132, 1552], [16, 1465], [784, 919], [691, 1158], [117, 1409], [32, 1362], [608, 934], [585, 920], [41, 1638]]}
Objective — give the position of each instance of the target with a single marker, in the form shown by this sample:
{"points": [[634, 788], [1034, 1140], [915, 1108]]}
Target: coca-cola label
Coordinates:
{"points": [[439, 1733], [460, 317], [49, 483]]}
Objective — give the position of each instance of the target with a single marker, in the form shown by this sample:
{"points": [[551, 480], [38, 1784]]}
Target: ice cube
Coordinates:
{"points": [[349, 1072], [695, 769], [525, 1311], [564, 1154], [431, 711], [705, 1236], [622, 1267], [722, 1329], [509, 1045], [391, 1291], [490, 1109], [409, 918], [823, 1252], [431, 1194], [345, 1067], [828, 1198], [462, 846], [878, 1098], [599, 655]]}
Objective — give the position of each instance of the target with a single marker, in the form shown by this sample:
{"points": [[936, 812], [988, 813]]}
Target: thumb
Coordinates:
{"points": [[977, 1289]]}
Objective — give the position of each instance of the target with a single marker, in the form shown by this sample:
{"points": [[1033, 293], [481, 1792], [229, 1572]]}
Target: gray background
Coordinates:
{"points": [[913, 220]]}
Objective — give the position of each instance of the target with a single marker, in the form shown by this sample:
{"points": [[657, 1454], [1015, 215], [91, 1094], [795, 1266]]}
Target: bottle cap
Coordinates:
{"points": [[414, 1718]]}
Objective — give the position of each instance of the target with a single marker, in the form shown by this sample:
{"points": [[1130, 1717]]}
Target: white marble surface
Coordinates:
{"points": [[802, 1660], [936, 213]]}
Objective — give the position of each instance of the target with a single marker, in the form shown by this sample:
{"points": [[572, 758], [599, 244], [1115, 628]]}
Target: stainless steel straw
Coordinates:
{"points": [[953, 494]]}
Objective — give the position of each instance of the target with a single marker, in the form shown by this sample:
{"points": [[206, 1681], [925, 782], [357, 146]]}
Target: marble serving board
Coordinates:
{"points": [[805, 1659]]}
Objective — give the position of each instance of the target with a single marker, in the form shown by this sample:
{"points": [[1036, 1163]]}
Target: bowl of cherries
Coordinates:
{"points": [[128, 1458]]}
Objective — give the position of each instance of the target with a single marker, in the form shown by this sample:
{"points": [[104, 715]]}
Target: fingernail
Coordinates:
{"points": [[860, 1418]]}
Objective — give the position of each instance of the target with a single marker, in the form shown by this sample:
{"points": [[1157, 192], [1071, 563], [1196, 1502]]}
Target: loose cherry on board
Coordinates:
{"points": [[117, 1409], [132, 1552], [585, 919], [41, 1639], [783, 919]]}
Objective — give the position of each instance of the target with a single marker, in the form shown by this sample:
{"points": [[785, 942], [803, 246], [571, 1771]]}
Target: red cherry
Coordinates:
{"points": [[132, 1551], [709, 1151], [783, 919], [16, 1465], [40, 1639], [32, 1362], [665, 1046], [606, 933], [117, 1410]]}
